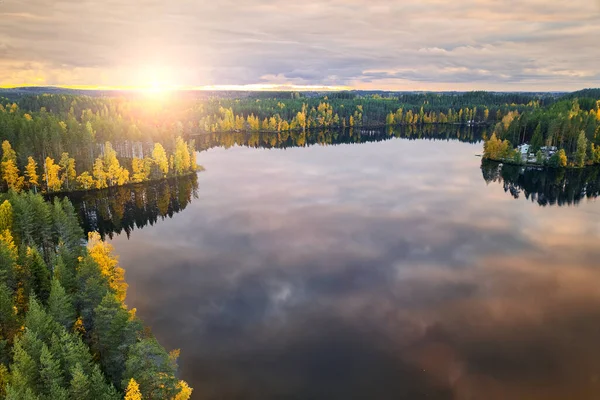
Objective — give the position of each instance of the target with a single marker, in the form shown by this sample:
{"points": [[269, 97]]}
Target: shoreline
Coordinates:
{"points": [[376, 126], [536, 165], [128, 184]]}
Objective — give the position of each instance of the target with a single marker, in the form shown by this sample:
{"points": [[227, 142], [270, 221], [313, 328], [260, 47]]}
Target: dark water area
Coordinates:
{"points": [[375, 269]]}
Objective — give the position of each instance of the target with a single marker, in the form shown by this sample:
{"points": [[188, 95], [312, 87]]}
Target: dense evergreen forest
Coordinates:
{"points": [[571, 125], [65, 331]]}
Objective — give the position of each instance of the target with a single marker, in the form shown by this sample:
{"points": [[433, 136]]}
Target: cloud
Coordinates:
{"points": [[329, 42], [386, 268]]}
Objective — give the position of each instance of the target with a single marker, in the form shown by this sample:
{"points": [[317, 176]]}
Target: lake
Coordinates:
{"points": [[382, 267]]}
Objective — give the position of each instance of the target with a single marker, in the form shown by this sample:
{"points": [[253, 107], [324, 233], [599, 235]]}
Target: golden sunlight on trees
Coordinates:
{"points": [[31, 174], [10, 171], [160, 158], [53, 181], [99, 174], [67, 165], [65, 331], [85, 181], [101, 253]]}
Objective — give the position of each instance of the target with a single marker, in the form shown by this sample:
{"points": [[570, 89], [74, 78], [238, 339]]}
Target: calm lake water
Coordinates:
{"points": [[395, 269]]}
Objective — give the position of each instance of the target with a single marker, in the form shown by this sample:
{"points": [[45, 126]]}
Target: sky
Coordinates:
{"points": [[361, 44]]}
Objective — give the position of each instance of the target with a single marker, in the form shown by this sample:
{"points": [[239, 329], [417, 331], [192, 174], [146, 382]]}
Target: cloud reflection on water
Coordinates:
{"points": [[302, 274]]}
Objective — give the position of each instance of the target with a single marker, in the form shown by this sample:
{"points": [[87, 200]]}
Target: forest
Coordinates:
{"points": [[65, 331], [64, 142], [571, 125]]}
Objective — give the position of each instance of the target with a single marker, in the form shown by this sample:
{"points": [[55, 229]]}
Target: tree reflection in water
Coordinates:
{"points": [[122, 209], [546, 186]]}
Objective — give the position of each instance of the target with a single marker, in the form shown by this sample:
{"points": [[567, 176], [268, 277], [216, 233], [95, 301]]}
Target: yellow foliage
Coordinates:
{"points": [[99, 174], [85, 180], [31, 173], [78, 326], [7, 152], [160, 158], [6, 216], [67, 165], [181, 158], [10, 174], [141, 169], [53, 181], [101, 253], [7, 238], [133, 391], [185, 392]]}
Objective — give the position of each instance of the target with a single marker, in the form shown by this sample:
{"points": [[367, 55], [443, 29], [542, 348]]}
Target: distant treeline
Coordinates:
{"points": [[99, 119], [571, 124], [268, 140], [65, 331]]}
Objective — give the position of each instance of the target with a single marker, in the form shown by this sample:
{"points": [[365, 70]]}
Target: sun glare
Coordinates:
{"points": [[156, 80]]}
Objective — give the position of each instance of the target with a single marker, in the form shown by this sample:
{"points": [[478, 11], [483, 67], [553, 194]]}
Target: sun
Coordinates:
{"points": [[156, 79]]}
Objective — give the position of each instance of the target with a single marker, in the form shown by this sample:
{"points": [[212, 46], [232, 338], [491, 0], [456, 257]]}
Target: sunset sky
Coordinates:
{"points": [[362, 44]]}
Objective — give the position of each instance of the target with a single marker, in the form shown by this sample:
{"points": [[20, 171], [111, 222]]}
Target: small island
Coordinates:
{"points": [[564, 135]]}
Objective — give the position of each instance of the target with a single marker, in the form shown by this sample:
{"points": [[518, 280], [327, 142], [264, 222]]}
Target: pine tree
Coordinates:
{"points": [[537, 140], [9, 323], [51, 378], [25, 368], [40, 275], [114, 331], [153, 369], [99, 388], [60, 306], [38, 322], [80, 384]]}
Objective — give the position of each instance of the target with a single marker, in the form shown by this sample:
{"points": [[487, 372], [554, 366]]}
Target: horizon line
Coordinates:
{"points": [[258, 88]]}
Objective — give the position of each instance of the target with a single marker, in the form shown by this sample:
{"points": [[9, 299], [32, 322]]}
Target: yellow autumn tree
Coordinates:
{"points": [[159, 155], [132, 392], [101, 253], [67, 165], [10, 171], [181, 158], [185, 392], [85, 181], [33, 179], [140, 169], [6, 216], [52, 178], [115, 174], [99, 174]]}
